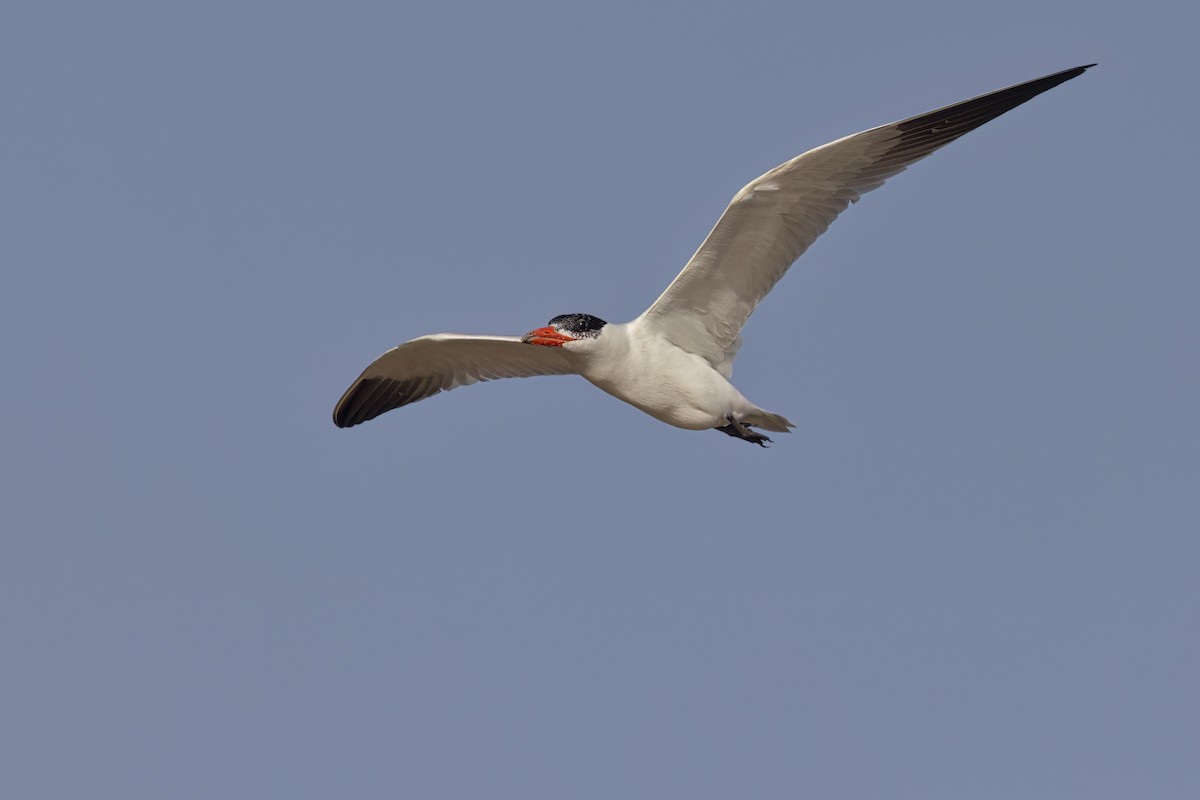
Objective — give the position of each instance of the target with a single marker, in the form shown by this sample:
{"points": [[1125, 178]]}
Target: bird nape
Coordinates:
{"points": [[674, 361]]}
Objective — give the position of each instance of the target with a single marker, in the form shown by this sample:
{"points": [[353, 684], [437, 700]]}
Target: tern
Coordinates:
{"points": [[674, 362]]}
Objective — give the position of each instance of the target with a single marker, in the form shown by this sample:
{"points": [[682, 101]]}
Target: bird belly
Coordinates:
{"points": [[680, 390]]}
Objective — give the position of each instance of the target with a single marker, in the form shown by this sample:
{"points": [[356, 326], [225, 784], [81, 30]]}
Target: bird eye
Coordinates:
{"points": [[578, 323]]}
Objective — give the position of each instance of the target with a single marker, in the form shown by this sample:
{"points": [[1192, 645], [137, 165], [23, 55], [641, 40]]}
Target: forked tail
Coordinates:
{"points": [[768, 421]]}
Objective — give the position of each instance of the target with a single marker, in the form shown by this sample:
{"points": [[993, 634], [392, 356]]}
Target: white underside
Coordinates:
{"points": [[633, 363]]}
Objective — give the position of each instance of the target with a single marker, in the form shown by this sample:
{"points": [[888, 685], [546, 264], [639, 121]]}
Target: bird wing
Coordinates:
{"points": [[774, 219], [438, 363]]}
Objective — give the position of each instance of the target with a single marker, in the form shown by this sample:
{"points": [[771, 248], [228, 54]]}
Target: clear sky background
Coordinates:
{"points": [[971, 571]]}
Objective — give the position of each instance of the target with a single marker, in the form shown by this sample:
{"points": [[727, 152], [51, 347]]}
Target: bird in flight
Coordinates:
{"points": [[674, 361]]}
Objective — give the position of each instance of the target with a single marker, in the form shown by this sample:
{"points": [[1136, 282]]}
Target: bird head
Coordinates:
{"points": [[565, 328]]}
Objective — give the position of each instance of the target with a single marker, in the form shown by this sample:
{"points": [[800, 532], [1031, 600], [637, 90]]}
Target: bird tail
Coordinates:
{"points": [[768, 421]]}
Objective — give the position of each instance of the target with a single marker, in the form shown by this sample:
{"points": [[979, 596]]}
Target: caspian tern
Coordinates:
{"points": [[675, 360]]}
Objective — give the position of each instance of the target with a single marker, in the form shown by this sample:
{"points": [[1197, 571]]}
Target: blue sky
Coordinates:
{"points": [[969, 572]]}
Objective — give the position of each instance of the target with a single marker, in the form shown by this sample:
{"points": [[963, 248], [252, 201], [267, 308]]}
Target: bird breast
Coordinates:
{"points": [[658, 377]]}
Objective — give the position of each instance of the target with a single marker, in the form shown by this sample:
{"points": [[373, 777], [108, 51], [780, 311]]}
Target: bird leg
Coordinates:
{"points": [[740, 431]]}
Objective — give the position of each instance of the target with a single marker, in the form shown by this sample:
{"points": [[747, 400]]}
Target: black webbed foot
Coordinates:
{"points": [[740, 431]]}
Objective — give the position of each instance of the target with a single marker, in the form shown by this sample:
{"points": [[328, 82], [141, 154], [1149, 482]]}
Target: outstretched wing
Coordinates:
{"points": [[775, 218], [438, 363]]}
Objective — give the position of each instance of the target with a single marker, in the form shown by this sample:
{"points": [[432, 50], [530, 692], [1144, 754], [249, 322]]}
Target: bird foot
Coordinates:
{"points": [[740, 431]]}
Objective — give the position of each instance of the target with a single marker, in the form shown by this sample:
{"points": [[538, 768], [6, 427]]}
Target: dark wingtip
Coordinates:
{"points": [[1074, 72], [1056, 78], [360, 402], [356, 405], [370, 397], [340, 418], [923, 134]]}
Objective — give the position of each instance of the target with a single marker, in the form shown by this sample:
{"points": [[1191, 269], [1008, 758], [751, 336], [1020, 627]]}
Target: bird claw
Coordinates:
{"points": [[739, 431]]}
